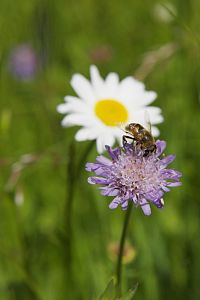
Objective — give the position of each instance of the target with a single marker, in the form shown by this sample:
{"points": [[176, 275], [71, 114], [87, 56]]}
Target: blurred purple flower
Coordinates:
{"points": [[23, 62], [130, 175]]}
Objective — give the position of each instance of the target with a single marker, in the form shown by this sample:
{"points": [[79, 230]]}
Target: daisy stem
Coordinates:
{"points": [[121, 250]]}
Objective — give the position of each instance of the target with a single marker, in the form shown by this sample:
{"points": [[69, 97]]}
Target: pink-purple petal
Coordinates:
{"points": [[178, 183], [103, 160], [106, 191], [161, 145], [159, 203], [145, 207], [165, 189], [100, 172], [91, 167], [114, 153], [124, 205], [171, 174], [114, 204], [168, 159], [98, 180]]}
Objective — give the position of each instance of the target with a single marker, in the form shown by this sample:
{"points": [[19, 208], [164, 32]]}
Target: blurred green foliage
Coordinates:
{"points": [[36, 261]]}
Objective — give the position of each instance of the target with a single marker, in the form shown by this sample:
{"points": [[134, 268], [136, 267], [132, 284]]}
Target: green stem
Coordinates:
{"points": [[69, 198], [84, 157], [121, 250], [73, 174]]}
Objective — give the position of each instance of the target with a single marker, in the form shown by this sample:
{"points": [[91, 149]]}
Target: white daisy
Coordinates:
{"points": [[102, 105]]}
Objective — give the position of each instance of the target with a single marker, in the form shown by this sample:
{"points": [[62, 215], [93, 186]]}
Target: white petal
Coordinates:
{"points": [[72, 108], [109, 139], [112, 80], [118, 136], [83, 88], [155, 131], [130, 83], [133, 94], [139, 116], [154, 114], [87, 133], [100, 145], [96, 79], [117, 133], [104, 139], [137, 99], [61, 108], [75, 106], [111, 86], [149, 97], [104, 89], [79, 119], [98, 83], [71, 99]]}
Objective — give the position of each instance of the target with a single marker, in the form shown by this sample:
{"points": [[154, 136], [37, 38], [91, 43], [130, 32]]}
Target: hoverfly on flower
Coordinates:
{"points": [[142, 138]]}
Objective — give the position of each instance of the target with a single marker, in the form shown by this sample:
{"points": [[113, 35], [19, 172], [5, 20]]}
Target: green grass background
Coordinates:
{"points": [[35, 262]]}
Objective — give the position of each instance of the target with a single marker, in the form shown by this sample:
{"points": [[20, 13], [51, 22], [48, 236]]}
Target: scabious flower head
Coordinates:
{"points": [[131, 176], [23, 62], [102, 105]]}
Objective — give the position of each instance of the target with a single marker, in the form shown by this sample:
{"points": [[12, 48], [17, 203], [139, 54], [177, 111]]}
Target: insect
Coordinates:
{"points": [[141, 137]]}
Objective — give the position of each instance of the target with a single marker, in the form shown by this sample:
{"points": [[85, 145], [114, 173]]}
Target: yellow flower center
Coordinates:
{"points": [[111, 112]]}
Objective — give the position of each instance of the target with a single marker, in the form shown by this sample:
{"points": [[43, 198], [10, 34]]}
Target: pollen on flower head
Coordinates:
{"points": [[131, 176], [111, 112]]}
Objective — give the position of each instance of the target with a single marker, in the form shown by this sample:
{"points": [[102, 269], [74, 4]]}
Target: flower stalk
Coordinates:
{"points": [[70, 182], [73, 173], [121, 251]]}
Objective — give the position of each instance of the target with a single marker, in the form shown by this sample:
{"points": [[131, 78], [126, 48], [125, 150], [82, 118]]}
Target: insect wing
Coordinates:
{"points": [[147, 121]]}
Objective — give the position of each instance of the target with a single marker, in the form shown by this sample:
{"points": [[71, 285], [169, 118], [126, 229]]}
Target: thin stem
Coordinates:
{"points": [[73, 174], [84, 157], [121, 250], [69, 198]]}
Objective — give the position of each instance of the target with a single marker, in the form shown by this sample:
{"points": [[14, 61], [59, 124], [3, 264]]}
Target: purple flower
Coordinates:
{"points": [[131, 176], [23, 62]]}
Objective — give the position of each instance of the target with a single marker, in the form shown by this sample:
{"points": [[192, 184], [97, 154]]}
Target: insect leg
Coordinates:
{"points": [[125, 137]]}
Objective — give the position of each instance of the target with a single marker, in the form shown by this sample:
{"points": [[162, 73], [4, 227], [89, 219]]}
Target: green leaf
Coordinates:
{"points": [[109, 292], [131, 293]]}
